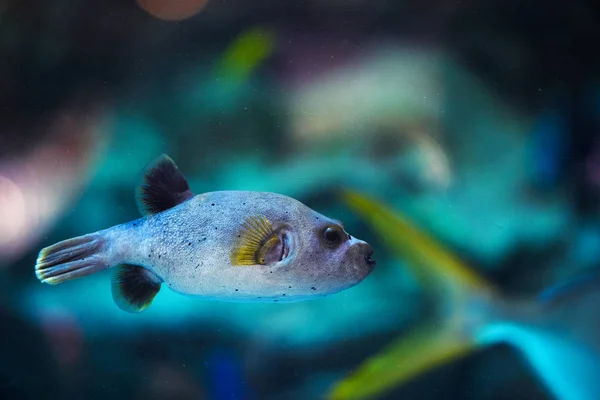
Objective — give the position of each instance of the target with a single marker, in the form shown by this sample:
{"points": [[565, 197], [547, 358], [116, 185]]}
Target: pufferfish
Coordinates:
{"points": [[224, 245]]}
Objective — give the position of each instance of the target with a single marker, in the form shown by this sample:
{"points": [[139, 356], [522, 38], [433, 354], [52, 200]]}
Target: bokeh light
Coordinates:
{"points": [[12, 212], [172, 10]]}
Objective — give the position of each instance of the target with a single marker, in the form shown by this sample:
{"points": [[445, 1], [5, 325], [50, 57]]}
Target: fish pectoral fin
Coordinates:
{"points": [[163, 187], [134, 287], [426, 347], [256, 241]]}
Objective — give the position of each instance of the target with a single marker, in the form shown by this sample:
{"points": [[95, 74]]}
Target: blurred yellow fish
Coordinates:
{"points": [[558, 332]]}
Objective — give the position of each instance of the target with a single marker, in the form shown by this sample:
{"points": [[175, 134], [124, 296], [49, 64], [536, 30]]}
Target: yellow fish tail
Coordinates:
{"points": [[467, 299], [429, 260], [423, 349]]}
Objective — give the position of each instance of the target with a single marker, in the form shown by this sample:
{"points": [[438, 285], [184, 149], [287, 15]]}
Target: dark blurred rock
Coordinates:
{"points": [[28, 369], [527, 52]]}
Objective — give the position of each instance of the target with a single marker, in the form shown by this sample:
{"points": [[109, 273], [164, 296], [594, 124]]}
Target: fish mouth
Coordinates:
{"points": [[369, 260]]}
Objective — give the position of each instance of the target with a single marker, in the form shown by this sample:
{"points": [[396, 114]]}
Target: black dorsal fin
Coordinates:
{"points": [[134, 287], [163, 187]]}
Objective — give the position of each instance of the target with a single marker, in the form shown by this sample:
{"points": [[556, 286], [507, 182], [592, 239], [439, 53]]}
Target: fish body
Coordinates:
{"points": [[224, 245], [557, 332], [189, 248]]}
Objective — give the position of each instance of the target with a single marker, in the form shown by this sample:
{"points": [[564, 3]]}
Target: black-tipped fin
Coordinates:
{"points": [[134, 287], [163, 187]]}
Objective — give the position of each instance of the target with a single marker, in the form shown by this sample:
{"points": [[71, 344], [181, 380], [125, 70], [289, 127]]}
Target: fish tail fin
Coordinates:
{"points": [[419, 351], [431, 263], [467, 304], [70, 259]]}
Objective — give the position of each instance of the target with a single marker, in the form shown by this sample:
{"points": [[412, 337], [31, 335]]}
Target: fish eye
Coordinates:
{"points": [[333, 235]]}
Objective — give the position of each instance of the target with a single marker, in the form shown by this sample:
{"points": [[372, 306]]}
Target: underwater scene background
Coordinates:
{"points": [[477, 121]]}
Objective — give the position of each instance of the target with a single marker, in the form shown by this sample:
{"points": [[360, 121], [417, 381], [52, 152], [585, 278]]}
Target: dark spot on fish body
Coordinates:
{"points": [[313, 288], [283, 294], [236, 290], [289, 287], [189, 243], [212, 204], [275, 300]]}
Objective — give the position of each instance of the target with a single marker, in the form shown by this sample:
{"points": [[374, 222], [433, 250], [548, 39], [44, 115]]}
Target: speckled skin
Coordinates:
{"points": [[188, 247]]}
